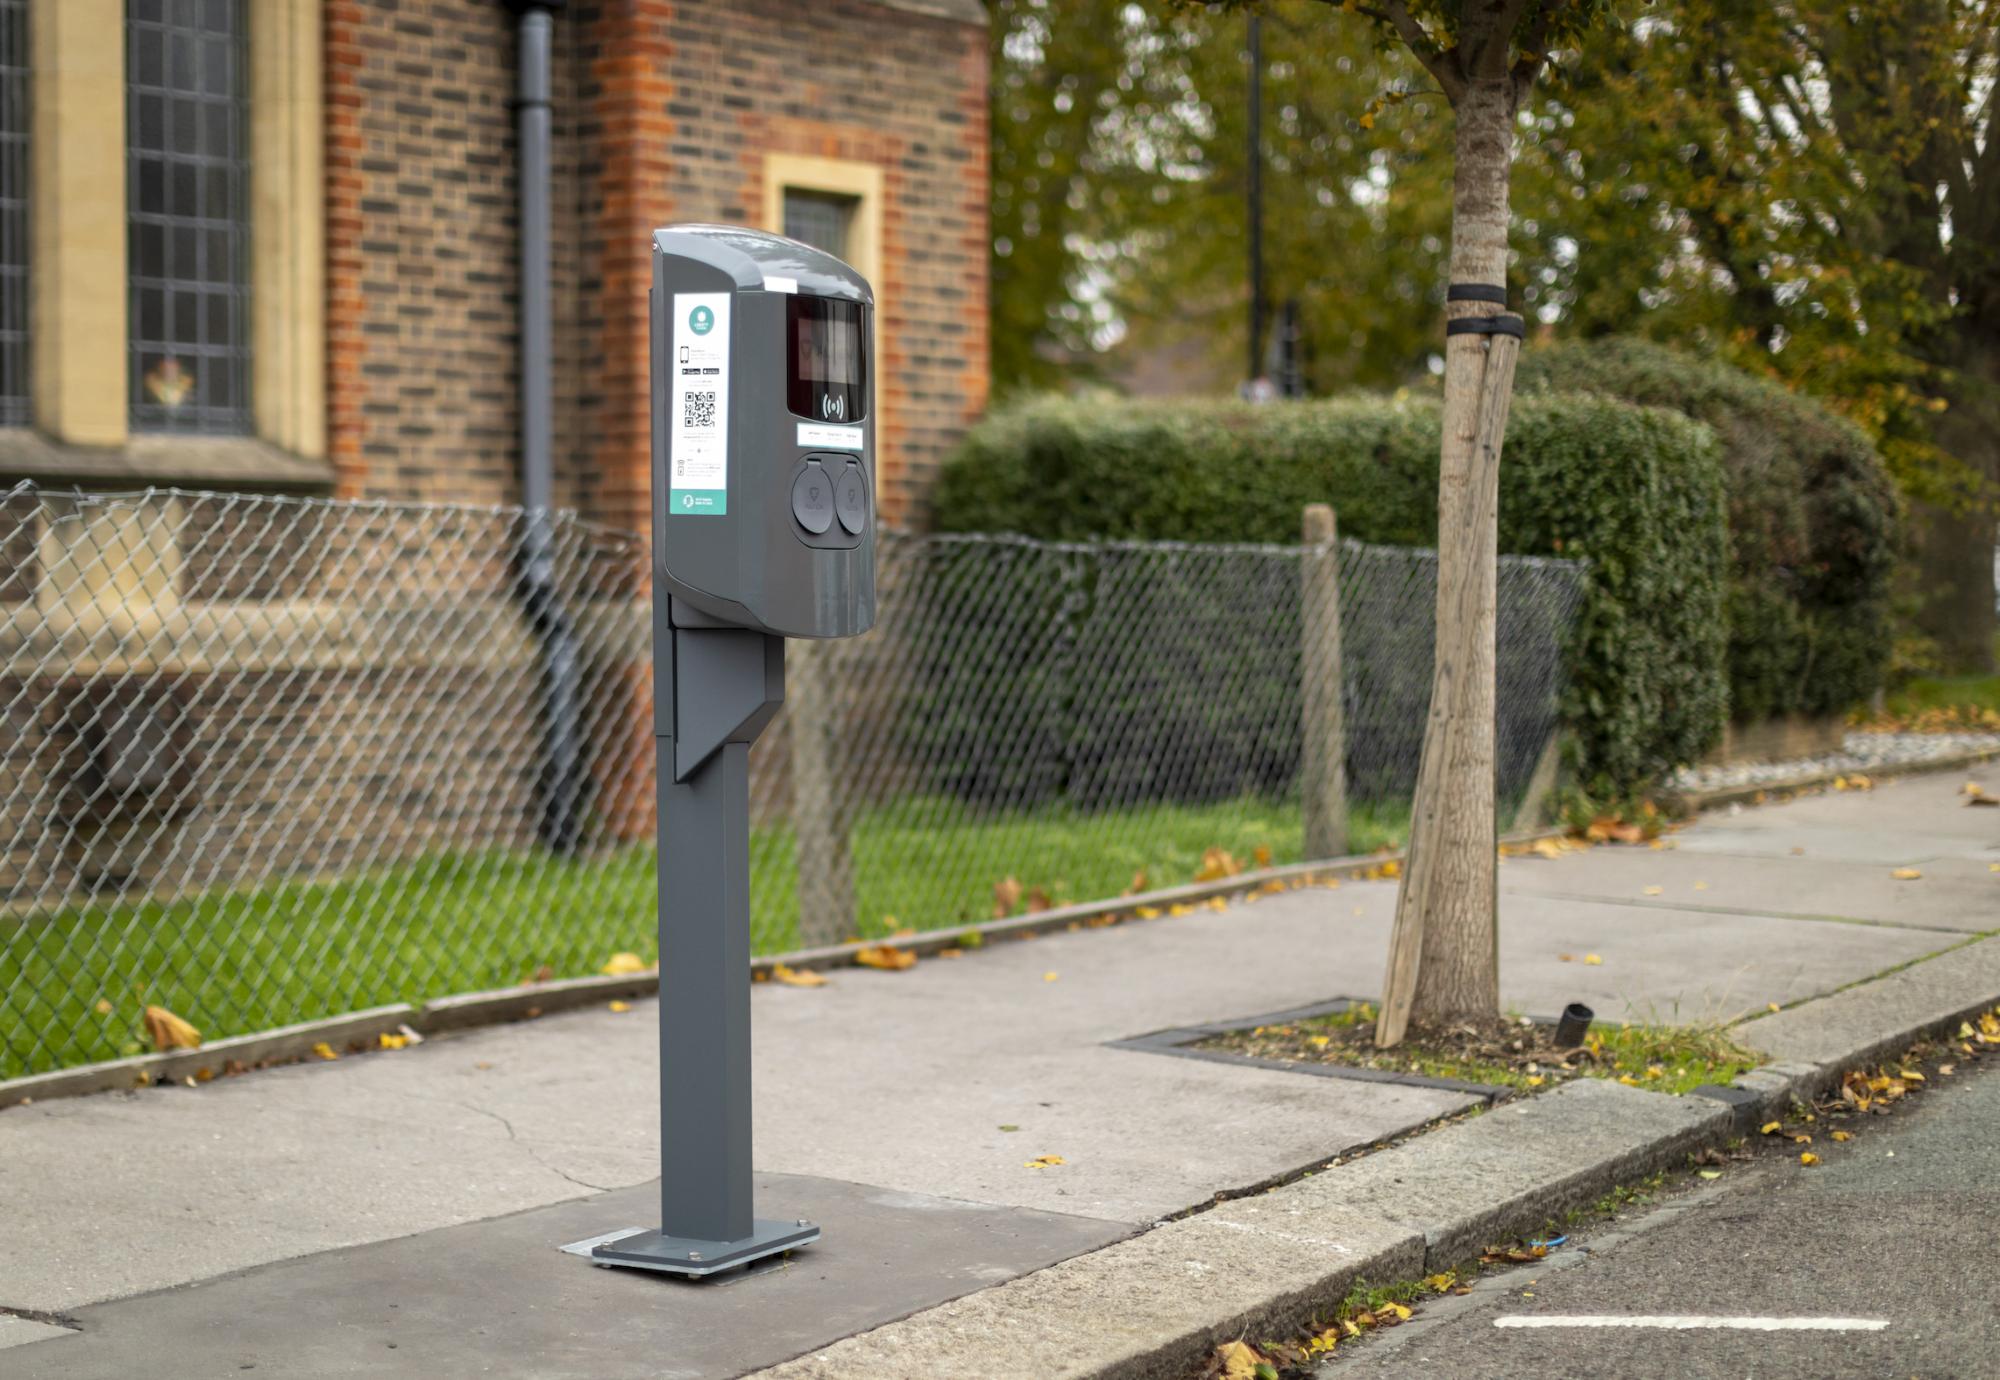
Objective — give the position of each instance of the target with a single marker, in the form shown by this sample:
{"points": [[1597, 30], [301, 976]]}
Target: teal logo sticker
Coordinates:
{"points": [[702, 320]]}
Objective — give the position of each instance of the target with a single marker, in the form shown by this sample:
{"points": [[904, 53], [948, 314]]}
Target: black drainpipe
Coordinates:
{"points": [[559, 787]]}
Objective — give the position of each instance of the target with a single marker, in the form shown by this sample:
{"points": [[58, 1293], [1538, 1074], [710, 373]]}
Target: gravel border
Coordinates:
{"points": [[1863, 753]]}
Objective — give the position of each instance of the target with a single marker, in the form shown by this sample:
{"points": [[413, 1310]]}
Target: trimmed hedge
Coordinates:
{"points": [[1812, 521], [1638, 492]]}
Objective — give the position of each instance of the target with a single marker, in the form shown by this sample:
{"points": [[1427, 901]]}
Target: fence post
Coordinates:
{"points": [[1323, 774], [819, 813]]}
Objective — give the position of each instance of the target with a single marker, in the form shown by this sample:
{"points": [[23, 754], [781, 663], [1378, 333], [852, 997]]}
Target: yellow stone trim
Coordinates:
{"points": [[77, 210], [831, 177], [863, 182], [287, 227], [78, 259]]}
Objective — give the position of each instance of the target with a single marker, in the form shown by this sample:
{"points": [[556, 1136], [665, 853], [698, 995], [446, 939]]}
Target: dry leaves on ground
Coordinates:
{"points": [[887, 957], [623, 965], [1217, 863], [168, 1031], [1006, 895], [796, 977]]}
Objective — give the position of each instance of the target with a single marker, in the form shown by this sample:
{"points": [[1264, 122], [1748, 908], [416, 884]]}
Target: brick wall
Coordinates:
{"points": [[686, 98], [663, 110]]}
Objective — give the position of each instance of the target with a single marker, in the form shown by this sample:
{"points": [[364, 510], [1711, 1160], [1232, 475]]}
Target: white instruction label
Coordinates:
{"points": [[820, 436], [698, 431]]}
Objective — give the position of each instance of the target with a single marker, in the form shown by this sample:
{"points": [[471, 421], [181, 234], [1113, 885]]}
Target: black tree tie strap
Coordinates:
{"points": [[1506, 323], [1476, 292]]}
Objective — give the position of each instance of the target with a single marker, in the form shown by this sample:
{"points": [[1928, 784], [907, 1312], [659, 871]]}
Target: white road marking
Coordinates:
{"points": [[1685, 1322]]}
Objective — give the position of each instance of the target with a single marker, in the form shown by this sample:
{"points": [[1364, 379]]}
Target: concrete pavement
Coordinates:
{"points": [[898, 1085]]}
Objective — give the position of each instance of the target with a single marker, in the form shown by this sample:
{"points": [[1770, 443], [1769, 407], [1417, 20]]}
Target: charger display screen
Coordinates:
{"points": [[827, 364]]}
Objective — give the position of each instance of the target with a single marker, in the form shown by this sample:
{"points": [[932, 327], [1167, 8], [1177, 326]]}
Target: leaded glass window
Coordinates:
{"points": [[188, 169], [14, 407], [818, 220]]}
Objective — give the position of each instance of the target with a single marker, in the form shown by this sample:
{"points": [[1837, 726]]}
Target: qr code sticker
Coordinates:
{"points": [[698, 409]]}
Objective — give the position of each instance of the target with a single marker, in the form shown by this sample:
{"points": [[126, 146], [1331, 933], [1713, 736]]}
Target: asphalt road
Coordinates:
{"points": [[1900, 1225]]}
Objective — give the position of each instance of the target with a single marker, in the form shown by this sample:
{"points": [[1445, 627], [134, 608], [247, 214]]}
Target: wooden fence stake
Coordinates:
{"points": [[1323, 772]]}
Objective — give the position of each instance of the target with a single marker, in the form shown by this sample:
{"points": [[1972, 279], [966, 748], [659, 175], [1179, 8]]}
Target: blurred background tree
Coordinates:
{"points": [[1806, 188]]}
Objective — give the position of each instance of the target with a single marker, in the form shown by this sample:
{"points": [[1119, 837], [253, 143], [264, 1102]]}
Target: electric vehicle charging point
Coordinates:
{"points": [[763, 508]]}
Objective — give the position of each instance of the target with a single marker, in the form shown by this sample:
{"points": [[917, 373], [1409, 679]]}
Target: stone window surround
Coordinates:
{"points": [[862, 184], [78, 319]]}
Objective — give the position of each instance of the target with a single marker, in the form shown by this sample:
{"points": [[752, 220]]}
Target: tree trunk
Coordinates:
{"points": [[1954, 548], [1446, 913], [1954, 569]]}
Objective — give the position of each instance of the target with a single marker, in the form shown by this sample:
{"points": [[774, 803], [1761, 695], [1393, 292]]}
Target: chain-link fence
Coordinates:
{"points": [[271, 759]]}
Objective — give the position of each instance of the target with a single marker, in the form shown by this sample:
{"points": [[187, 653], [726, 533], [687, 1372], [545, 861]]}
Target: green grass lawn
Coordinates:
{"points": [[73, 981], [1927, 694]]}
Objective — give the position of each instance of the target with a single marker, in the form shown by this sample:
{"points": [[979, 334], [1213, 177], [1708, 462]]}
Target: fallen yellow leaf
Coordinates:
{"points": [[1149, 912], [324, 1050], [887, 957], [1711, 1173], [1535, 1080], [620, 1007], [1654, 890], [386, 1040], [1772, 1006], [1808, 1158], [169, 1031], [1628, 1080], [1842, 1135], [1906, 874], [1769, 1128], [1593, 960], [1217, 863], [1216, 903], [795, 977], [621, 964], [1043, 1162], [1006, 895], [1239, 1362], [1049, 977]]}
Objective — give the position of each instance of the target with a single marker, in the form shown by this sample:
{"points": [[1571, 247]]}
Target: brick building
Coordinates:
{"points": [[294, 224], [272, 246]]}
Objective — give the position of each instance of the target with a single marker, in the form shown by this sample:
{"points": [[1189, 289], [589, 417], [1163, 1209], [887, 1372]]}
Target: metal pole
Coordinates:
{"points": [[1256, 154], [716, 688], [704, 895], [559, 787]]}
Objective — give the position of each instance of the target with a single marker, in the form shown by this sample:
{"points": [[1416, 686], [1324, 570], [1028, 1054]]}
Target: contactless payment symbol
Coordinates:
{"points": [[702, 319]]}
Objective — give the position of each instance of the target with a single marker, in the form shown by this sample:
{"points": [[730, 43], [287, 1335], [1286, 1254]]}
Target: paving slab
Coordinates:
{"points": [[1866, 1023], [21, 1331], [1954, 894], [1488, 1178], [499, 1298], [1788, 840], [1926, 805], [1143, 1309]]}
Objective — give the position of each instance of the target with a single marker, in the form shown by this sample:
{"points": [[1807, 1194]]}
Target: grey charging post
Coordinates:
{"points": [[763, 529]]}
